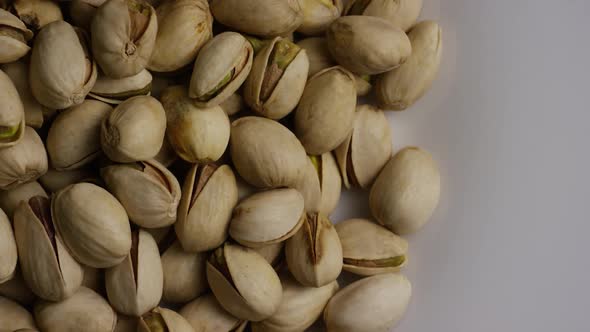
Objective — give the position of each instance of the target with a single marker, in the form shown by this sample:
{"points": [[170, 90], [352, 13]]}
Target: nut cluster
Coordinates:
{"points": [[171, 166]]}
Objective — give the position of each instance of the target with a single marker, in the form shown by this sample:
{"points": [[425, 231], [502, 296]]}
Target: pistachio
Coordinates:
{"points": [[258, 17], [401, 13], [363, 85], [183, 28], [209, 195], [117, 90], [318, 14], [367, 45], [206, 315], [82, 12], [73, 140], [309, 186], [243, 282], [37, 13], [13, 37], [23, 162], [17, 290], [267, 217], [12, 114], [18, 72], [371, 304], [366, 150], [277, 79], [10, 199], [62, 71], [233, 104], [163, 320], [184, 274], [321, 185], [123, 36], [222, 65], [325, 113], [244, 188], [273, 253], [126, 324], [134, 131], [314, 254], [401, 87], [265, 153], [54, 181], [8, 249], [196, 134], [147, 190], [83, 311], [14, 317], [92, 224]]}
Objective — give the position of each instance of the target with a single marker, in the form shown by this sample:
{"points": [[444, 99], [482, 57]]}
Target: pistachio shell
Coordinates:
{"points": [[84, 311], [209, 196], [406, 192], [10, 199], [18, 72], [310, 188], [134, 130], [184, 274], [233, 104], [13, 44], [265, 153], [117, 90], [267, 217], [183, 28], [372, 304], [196, 134], [37, 13], [258, 17], [325, 113], [14, 317], [246, 286], [12, 115], [401, 13], [92, 224], [318, 54], [363, 85], [401, 87], [148, 191], [216, 77], [16, 290], [244, 188], [54, 181], [74, 136], [23, 162], [273, 253], [123, 36], [331, 183], [367, 149], [8, 249], [126, 324], [82, 12], [314, 254], [318, 14], [206, 315], [164, 318]]}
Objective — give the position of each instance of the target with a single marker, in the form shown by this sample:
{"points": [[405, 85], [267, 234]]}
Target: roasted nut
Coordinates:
{"points": [[24, 162], [318, 14], [184, 274], [10, 199], [13, 37], [117, 90], [401, 13], [233, 104], [206, 315], [12, 114], [18, 72], [37, 13], [162, 319], [14, 317], [8, 249]]}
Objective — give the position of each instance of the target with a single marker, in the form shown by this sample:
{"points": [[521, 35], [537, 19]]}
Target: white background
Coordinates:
{"points": [[508, 120]]}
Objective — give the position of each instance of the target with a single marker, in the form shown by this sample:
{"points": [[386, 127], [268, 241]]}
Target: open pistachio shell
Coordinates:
{"points": [[82, 12], [325, 113], [209, 195], [37, 13], [10, 199], [366, 150], [12, 114], [54, 181], [277, 79], [221, 67], [372, 304], [14, 317], [8, 249], [18, 72], [148, 191], [17, 290], [163, 320], [117, 90], [401, 87], [83, 311], [123, 36], [73, 140], [184, 274], [314, 254], [206, 315], [13, 37], [318, 14], [401, 13], [406, 192], [273, 253], [243, 282], [267, 217], [92, 224], [24, 162]]}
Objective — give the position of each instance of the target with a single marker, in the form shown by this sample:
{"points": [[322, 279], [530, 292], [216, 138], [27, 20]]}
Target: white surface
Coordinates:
{"points": [[508, 120]]}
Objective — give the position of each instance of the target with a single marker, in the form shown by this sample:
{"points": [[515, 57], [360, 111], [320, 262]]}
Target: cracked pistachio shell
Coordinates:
{"points": [[92, 224], [400, 88], [367, 149], [401, 13], [82, 12], [184, 274], [196, 134], [267, 217], [123, 36], [135, 285], [265, 153], [12, 114], [318, 14], [372, 304], [314, 254], [47, 267], [367, 45], [321, 186], [209, 195], [221, 67], [325, 113], [258, 17], [233, 104], [163, 320], [73, 140], [273, 253], [37, 13], [244, 283], [8, 249], [62, 71], [183, 28], [23, 162], [406, 192], [84, 311], [10, 199], [17, 290], [148, 191], [117, 90], [18, 72], [14, 317], [206, 315], [370, 249], [300, 308], [54, 181], [277, 79], [134, 130], [13, 37]]}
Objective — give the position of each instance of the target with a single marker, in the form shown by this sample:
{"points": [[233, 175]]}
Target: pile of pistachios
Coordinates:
{"points": [[171, 166]]}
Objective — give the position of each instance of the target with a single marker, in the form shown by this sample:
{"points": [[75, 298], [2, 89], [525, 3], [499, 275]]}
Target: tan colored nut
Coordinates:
{"points": [[163, 320], [12, 114], [363, 85], [14, 317], [54, 181], [310, 188], [184, 274], [18, 72], [406, 192], [8, 249], [14, 36], [37, 13], [372, 304], [23, 162], [400, 88], [82, 12], [318, 14], [233, 104], [126, 324], [17, 290], [273, 253], [401, 13], [10, 199], [206, 315], [116, 90]]}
